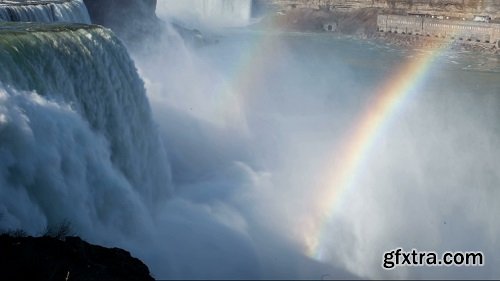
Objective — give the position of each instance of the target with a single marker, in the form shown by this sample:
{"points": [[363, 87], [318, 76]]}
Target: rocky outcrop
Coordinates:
{"points": [[131, 20], [136, 23], [48, 258]]}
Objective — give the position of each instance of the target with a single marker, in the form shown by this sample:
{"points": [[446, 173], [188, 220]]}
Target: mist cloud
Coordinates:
{"points": [[247, 162]]}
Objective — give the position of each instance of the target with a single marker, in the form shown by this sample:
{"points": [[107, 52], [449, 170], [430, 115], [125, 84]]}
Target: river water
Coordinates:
{"points": [[341, 148]]}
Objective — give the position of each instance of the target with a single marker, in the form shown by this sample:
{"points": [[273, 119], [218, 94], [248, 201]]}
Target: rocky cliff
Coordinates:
{"points": [[131, 20], [456, 8], [48, 258], [360, 16]]}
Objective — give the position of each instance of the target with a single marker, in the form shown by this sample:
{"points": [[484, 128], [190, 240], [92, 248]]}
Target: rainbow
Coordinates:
{"points": [[355, 148], [345, 167]]}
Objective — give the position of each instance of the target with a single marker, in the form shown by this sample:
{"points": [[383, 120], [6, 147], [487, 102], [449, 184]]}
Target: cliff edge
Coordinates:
{"points": [[48, 258]]}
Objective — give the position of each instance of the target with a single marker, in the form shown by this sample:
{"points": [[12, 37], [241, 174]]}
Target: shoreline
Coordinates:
{"points": [[362, 25], [415, 41]]}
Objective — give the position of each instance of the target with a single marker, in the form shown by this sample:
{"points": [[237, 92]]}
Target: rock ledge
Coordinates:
{"points": [[43, 258]]}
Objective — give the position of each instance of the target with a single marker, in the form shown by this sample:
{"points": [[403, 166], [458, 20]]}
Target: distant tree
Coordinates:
{"points": [[59, 231]]}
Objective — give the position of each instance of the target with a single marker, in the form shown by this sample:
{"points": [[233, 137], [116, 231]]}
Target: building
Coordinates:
{"points": [[477, 31]]}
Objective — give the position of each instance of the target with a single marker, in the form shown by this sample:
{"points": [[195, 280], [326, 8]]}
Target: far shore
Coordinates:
{"points": [[361, 24]]}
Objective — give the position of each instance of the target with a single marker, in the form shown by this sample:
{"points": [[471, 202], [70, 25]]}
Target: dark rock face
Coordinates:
{"points": [[44, 258], [131, 20], [136, 23]]}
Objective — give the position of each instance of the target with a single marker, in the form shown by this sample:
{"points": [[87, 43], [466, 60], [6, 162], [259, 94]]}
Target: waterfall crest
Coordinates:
{"points": [[77, 140], [44, 11]]}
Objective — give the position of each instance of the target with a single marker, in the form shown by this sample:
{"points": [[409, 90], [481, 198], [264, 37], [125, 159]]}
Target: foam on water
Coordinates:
{"points": [[76, 132]]}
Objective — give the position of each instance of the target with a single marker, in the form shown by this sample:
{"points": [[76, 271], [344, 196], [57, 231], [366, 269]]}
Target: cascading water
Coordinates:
{"points": [[43, 11], [212, 12], [226, 9], [76, 132], [251, 125]]}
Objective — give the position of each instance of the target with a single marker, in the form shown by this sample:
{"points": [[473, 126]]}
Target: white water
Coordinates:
{"points": [[254, 156], [77, 143], [66, 11], [76, 135], [211, 13]]}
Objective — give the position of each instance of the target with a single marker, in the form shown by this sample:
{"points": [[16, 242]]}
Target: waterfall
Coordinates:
{"points": [[213, 12], [77, 140], [44, 11], [227, 9]]}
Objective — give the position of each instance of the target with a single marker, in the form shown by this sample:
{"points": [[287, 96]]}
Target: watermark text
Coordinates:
{"points": [[398, 257]]}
